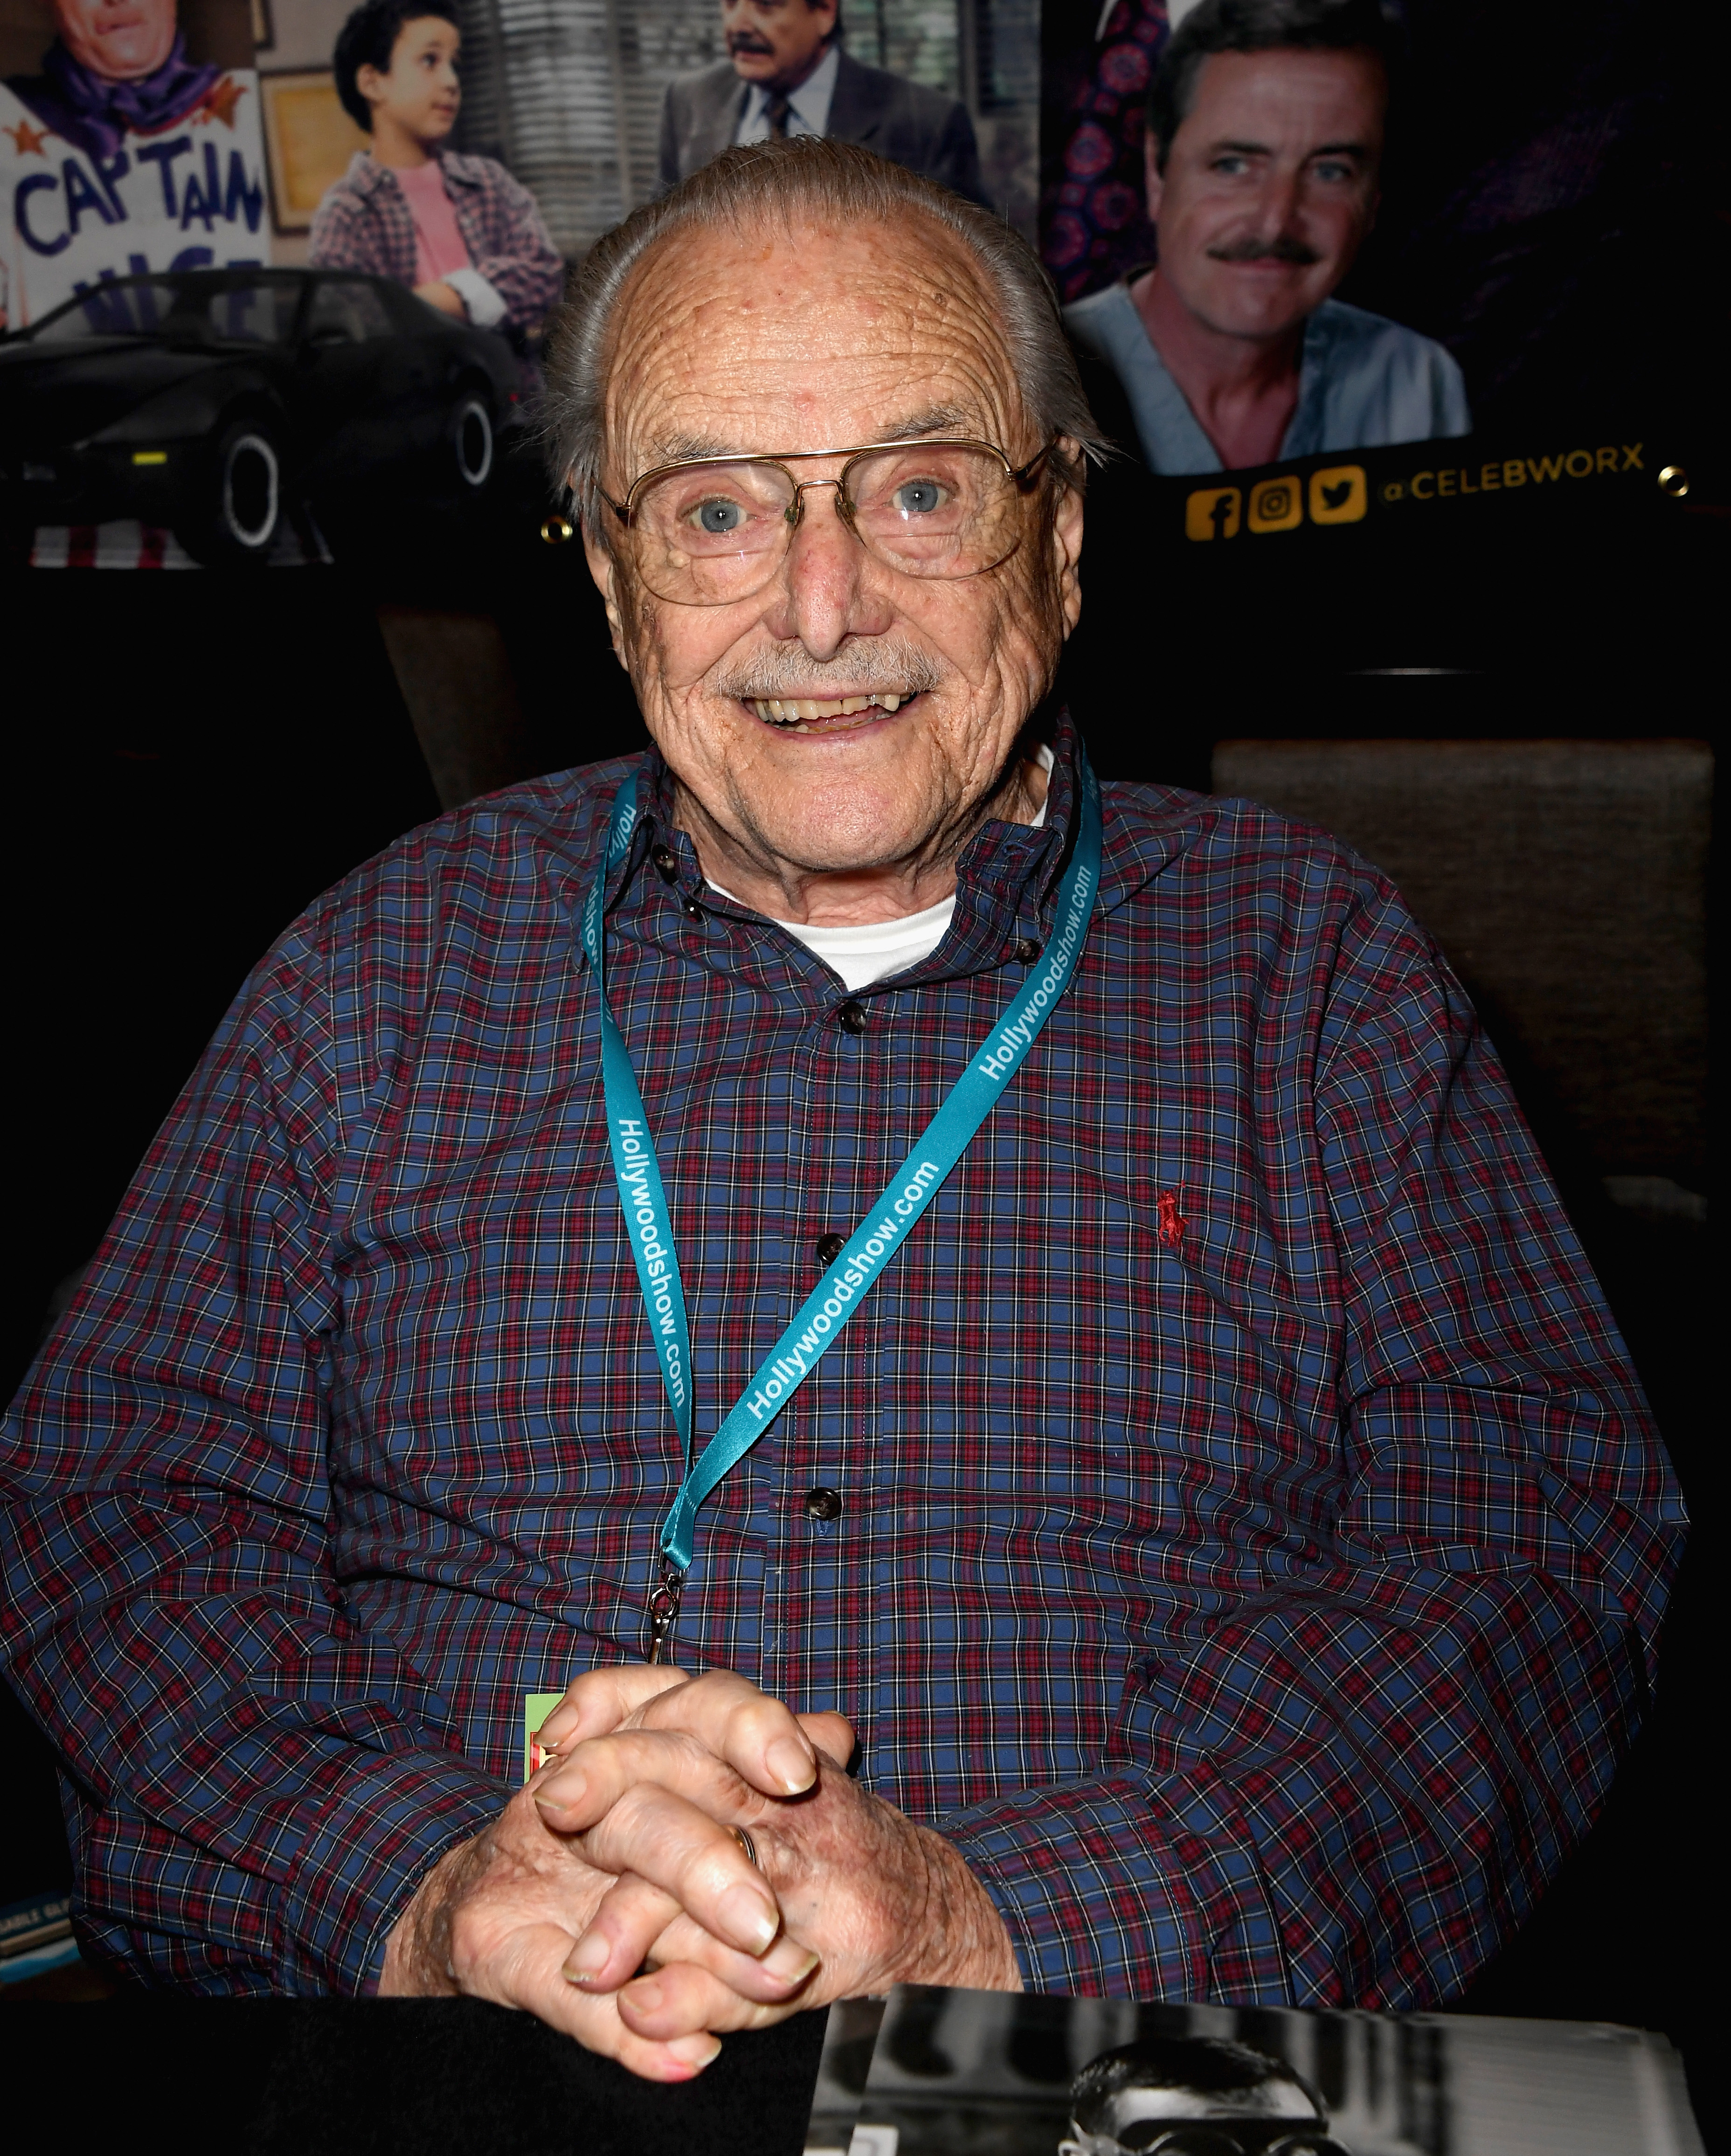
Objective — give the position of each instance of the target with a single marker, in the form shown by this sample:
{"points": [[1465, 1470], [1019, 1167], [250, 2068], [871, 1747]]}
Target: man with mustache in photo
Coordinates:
{"points": [[786, 73], [1264, 142]]}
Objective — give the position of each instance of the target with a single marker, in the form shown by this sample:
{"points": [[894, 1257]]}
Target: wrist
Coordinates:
{"points": [[962, 1940], [418, 1949]]}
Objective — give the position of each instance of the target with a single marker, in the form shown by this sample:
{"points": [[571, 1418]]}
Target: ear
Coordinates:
{"points": [[1067, 520], [371, 83], [604, 570]]}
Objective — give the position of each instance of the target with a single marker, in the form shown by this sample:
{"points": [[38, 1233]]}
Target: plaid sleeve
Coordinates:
{"points": [[1347, 1786], [258, 1782], [517, 256], [346, 234]]}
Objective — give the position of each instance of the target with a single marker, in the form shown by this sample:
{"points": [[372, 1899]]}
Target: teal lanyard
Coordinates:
{"points": [[910, 1190]]}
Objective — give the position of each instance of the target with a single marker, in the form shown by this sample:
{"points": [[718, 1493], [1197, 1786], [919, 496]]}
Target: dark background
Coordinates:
{"points": [[194, 757]]}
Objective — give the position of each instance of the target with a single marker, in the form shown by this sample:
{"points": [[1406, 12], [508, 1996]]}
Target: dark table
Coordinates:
{"points": [[347, 2077]]}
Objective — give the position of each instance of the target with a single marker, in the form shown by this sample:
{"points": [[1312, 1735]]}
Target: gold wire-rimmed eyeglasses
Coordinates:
{"points": [[708, 531]]}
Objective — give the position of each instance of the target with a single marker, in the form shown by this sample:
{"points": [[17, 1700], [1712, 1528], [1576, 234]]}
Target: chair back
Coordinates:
{"points": [[1566, 882]]}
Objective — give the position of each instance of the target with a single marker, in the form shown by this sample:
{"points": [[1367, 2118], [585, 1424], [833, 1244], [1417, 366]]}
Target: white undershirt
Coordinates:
{"points": [[881, 947]]}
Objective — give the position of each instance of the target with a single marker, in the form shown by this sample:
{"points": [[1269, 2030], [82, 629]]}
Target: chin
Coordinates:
{"points": [[127, 66], [1234, 318], [845, 834]]}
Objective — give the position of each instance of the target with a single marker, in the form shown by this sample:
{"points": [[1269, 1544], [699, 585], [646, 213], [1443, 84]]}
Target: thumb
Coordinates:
{"points": [[832, 1733]]}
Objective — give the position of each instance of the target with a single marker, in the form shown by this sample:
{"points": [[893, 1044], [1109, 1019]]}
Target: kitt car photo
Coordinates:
{"points": [[213, 401]]}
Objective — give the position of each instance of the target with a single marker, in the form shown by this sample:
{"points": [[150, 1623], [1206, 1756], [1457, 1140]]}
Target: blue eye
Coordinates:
{"points": [[918, 497], [720, 515]]}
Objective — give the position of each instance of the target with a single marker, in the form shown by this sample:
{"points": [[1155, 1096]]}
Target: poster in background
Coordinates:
{"points": [[570, 98], [1547, 200], [991, 2073], [130, 141]]}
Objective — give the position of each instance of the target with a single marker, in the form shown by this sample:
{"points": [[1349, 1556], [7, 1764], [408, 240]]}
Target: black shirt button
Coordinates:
{"points": [[851, 1016], [693, 911], [830, 1248], [666, 865], [822, 1504], [1027, 950]]}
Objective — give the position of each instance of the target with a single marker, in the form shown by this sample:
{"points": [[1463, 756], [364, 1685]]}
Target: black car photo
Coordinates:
{"points": [[213, 401]]}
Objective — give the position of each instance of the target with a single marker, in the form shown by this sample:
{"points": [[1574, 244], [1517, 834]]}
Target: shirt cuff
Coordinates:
{"points": [[364, 1855], [485, 307], [1095, 1897]]}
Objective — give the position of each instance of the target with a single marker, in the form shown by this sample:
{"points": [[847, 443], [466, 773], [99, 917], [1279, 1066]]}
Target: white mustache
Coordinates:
{"points": [[864, 666]]}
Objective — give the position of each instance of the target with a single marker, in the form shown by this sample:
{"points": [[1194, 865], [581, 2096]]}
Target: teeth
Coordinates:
{"points": [[796, 711]]}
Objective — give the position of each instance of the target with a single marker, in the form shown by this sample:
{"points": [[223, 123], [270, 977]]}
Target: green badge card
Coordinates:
{"points": [[536, 1707]]}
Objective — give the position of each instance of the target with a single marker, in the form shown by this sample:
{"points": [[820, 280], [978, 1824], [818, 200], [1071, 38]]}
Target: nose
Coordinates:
{"points": [[1277, 211], [827, 590]]}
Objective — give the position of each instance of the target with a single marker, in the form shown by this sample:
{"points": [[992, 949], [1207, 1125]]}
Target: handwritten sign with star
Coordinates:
{"points": [[188, 196]]}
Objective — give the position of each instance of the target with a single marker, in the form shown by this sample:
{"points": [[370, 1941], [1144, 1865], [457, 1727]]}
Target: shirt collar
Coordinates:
{"points": [[809, 104], [1006, 876]]}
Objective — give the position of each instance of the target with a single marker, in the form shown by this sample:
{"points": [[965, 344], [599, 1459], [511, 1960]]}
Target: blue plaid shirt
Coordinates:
{"points": [[1252, 1539]]}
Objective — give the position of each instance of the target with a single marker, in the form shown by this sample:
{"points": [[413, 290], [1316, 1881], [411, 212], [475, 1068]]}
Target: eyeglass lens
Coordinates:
{"points": [[1156, 2137], [709, 534]]}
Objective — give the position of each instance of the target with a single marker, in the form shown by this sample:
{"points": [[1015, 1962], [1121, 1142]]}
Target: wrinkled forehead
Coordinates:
{"points": [[770, 338]]}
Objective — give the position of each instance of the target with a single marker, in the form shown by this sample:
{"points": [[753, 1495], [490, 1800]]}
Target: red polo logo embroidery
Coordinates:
{"points": [[1173, 1223]]}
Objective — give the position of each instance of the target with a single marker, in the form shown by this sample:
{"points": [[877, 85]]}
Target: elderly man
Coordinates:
{"points": [[1006, 1343], [1264, 146], [786, 73]]}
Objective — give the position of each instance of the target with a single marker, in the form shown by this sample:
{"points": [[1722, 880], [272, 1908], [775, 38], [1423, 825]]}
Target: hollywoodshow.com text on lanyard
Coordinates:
{"points": [[910, 1190]]}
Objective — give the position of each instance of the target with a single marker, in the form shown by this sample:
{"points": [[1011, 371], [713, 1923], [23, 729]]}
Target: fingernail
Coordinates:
{"points": [[790, 1961], [695, 2052], [564, 1794], [750, 1921], [647, 1994], [554, 1727], [792, 1764], [587, 1958]]}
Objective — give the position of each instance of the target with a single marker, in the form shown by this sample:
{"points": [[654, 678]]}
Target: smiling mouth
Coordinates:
{"points": [[830, 714]]}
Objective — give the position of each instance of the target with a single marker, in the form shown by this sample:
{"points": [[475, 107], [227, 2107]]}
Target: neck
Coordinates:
{"points": [[850, 898], [1227, 381], [394, 145]]}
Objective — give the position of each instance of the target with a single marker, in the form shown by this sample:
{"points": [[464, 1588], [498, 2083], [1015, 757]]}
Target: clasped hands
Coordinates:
{"points": [[612, 1898]]}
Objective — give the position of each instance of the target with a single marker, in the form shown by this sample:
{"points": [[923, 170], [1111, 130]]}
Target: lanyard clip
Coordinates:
{"points": [[663, 1607]]}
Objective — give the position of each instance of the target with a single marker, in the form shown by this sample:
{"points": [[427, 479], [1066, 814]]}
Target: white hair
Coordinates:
{"points": [[803, 177]]}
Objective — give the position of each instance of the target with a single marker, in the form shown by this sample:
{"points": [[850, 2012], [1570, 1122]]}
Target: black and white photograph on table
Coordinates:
{"points": [[987, 2073], [849, 2038]]}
